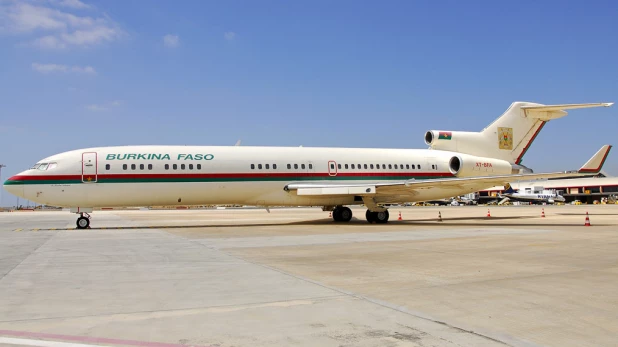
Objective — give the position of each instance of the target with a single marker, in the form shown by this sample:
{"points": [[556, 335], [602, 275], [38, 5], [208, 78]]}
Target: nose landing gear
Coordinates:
{"points": [[83, 222]]}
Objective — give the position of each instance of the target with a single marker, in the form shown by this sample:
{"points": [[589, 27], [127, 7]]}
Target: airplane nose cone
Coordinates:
{"points": [[14, 187]]}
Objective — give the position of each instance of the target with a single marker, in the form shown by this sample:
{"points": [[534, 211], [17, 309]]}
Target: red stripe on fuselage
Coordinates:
{"points": [[290, 175]]}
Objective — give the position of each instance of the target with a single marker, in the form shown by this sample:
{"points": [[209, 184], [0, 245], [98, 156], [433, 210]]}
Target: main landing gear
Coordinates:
{"points": [[83, 222], [377, 217], [342, 214]]}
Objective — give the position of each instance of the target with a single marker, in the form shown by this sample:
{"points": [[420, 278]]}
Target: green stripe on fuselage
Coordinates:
{"points": [[222, 179]]}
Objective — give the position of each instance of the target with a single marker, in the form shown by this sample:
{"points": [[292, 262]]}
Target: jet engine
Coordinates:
{"points": [[464, 165]]}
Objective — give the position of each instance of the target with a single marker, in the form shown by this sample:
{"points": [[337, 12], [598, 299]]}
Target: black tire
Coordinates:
{"points": [[381, 217], [370, 216], [337, 214], [83, 223], [345, 214]]}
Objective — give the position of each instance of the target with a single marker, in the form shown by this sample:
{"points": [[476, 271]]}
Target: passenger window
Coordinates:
{"points": [[390, 166], [310, 166], [332, 166], [260, 166], [289, 166], [413, 166], [346, 166], [401, 166], [149, 166], [199, 166], [395, 166], [107, 166], [252, 166], [365, 166], [419, 166], [175, 167], [275, 166], [267, 166], [296, 166], [378, 166], [407, 166], [182, 166], [167, 166], [141, 166], [190, 166], [371, 166], [352, 166], [339, 166], [302, 166], [384, 166], [133, 166], [124, 166]]}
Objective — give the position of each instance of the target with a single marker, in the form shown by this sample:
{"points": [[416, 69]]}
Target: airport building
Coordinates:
{"points": [[586, 189]]}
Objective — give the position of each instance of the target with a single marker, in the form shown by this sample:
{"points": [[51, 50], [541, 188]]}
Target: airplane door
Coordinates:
{"points": [[89, 167], [332, 168]]}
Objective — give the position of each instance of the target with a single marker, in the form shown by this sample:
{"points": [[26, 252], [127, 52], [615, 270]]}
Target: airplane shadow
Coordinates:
{"points": [[472, 221]]}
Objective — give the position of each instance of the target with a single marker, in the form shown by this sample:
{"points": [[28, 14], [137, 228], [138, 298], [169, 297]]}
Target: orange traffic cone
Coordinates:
{"points": [[399, 216], [439, 216], [543, 213], [587, 224], [488, 214], [330, 214]]}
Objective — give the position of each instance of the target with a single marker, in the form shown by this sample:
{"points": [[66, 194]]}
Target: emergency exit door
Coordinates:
{"points": [[89, 167]]}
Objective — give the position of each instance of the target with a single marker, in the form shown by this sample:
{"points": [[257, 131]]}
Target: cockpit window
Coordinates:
{"points": [[35, 166], [52, 166], [43, 166]]}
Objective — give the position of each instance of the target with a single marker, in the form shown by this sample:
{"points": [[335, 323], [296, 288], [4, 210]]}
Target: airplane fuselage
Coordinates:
{"points": [[196, 175]]}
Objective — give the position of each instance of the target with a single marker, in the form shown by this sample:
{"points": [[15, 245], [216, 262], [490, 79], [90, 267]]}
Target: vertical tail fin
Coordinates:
{"points": [[509, 136]]}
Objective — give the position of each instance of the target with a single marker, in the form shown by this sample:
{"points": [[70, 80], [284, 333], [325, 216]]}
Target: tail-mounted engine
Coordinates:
{"points": [[464, 165]]}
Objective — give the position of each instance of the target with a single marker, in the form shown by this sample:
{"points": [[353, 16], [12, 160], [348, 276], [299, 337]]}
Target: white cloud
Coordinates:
{"points": [[230, 35], [96, 108], [72, 4], [54, 28], [49, 68], [104, 107], [171, 41]]}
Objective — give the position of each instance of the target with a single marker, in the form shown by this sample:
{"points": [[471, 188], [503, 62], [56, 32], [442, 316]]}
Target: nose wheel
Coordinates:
{"points": [[83, 222]]}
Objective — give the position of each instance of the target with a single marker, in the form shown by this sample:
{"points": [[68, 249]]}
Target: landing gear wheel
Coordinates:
{"points": [[342, 214], [345, 214], [83, 222], [381, 217], [377, 217]]}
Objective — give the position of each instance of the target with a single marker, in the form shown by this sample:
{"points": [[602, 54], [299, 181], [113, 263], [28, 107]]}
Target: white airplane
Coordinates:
{"points": [[456, 163], [534, 196]]}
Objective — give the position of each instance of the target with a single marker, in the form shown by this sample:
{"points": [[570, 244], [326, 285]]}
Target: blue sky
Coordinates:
{"points": [[286, 73]]}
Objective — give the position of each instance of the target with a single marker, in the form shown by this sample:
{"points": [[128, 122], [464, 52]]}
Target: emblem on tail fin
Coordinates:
{"points": [[505, 138]]}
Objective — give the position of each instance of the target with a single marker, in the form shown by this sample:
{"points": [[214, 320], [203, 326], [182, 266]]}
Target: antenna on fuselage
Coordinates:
{"points": [[238, 143]]}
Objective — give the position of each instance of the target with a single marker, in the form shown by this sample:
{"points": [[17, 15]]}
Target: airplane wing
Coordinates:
{"points": [[411, 187]]}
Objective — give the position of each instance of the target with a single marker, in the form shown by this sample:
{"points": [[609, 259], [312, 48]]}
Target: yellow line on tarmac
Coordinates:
{"points": [[19, 229], [35, 229]]}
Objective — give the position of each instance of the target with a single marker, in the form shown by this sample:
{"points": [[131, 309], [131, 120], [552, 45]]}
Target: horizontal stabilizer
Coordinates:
{"points": [[595, 163], [565, 106]]}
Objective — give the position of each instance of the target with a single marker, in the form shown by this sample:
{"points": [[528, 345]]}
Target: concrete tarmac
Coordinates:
{"points": [[292, 277]]}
